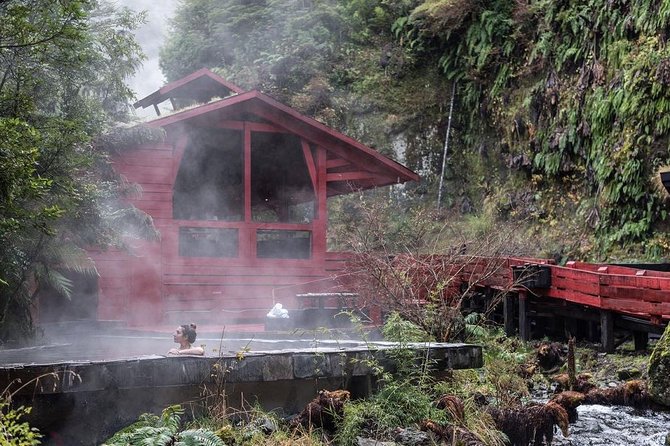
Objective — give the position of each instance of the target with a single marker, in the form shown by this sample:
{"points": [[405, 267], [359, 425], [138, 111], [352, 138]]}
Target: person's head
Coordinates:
{"points": [[186, 333]]}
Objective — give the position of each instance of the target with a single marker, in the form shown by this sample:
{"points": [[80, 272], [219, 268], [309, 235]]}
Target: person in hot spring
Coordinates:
{"points": [[185, 335]]}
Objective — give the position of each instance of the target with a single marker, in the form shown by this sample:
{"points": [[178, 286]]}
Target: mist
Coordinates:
{"points": [[151, 37]]}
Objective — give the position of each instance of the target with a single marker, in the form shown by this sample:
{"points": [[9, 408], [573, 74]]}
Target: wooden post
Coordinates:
{"points": [[247, 174], [593, 332], [524, 321], [570, 325], [508, 314], [641, 339], [607, 331], [320, 223]]}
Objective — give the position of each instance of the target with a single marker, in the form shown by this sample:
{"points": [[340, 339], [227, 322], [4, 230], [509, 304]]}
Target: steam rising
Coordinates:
{"points": [[151, 37]]}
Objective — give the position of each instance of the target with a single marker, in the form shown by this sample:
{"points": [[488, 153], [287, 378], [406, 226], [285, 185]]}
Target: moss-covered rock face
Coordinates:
{"points": [[659, 370]]}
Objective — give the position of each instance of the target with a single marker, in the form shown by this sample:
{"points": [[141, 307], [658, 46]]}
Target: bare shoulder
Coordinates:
{"points": [[199, 351]]}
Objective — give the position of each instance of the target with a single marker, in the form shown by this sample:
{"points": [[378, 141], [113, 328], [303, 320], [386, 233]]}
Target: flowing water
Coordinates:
{"points": [[616, 426]]}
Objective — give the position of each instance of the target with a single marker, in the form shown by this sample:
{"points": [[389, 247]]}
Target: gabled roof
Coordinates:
{"points": [[354, 165], [199, 86]]}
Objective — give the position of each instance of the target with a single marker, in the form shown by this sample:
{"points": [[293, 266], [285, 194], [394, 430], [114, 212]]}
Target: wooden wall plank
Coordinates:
{"points": [[582, 286], [175, 269], [576, 297], [274, 280]]}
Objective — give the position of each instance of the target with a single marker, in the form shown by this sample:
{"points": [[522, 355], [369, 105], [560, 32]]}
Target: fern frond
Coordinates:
{"points": [[143, 436], [171, 417], [52, 278], [199, 437], [133, 221], [74, 258], [59, 282]]}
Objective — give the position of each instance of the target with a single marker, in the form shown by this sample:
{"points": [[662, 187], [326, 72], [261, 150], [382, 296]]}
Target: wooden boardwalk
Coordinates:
{"points": [[612, 297]]}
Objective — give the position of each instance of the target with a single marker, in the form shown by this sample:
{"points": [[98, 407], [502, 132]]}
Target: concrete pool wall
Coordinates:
{"points": [[83, 403]]}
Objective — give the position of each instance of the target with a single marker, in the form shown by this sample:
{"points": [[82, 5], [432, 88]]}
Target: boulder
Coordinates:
{"points": [[659, 370]]}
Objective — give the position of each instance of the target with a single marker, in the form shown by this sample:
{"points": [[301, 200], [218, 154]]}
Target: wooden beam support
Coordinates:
{"points": [[247, 174], [353, 176], [337, 162], [607, 331], [524, 320], [593, 331], [508, 312], [309, 160], [319, 242], [254, 126], [570, 325], [179, 148], [641, 340]]}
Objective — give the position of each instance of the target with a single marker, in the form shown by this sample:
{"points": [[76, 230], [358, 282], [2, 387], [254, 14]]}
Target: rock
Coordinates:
{"points": [[412, 437], [267, 425], [372, 442], [667, 439], [659, 370], [627, 374]]}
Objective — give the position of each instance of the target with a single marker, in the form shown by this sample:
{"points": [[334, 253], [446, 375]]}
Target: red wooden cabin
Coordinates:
{"points": [[238, 192]]}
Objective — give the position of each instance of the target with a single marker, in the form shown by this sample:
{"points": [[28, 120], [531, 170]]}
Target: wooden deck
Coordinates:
{"points": [[633, 298]]}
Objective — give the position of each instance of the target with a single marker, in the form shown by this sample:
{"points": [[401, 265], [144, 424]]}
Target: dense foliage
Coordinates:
{"points": [[575, 92], [13, 430], [559, 116], [62, 71]]}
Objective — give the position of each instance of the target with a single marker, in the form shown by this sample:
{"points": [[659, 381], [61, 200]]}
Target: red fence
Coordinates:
{"points": [[643, 293]]}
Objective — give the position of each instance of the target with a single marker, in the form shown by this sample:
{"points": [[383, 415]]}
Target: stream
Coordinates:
{"points": [[616, 425]]}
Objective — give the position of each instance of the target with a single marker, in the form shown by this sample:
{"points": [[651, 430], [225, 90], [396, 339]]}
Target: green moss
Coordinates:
{"points": [[659, 370]]}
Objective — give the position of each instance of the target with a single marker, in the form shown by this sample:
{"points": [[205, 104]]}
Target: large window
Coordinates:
{"points": [[208, 242], [281, 187], [209, 184]]}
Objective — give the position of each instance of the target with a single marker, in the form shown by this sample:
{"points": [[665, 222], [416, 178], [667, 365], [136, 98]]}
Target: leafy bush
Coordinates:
{"points": [[13, 431], [398, 404]]}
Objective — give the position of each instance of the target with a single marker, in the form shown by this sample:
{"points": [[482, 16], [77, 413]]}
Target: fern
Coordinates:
{"points": [[171, 417], [163, 430], [52, 278], [198, 437]]}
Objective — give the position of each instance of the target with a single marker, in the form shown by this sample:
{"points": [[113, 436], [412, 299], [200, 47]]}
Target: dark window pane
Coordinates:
{"points": [[208, 242], [281, 187], [276, 244], [209, 184]]}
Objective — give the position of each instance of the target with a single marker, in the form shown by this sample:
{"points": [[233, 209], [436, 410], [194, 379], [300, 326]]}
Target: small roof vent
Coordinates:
{"points": [[198, 87]]}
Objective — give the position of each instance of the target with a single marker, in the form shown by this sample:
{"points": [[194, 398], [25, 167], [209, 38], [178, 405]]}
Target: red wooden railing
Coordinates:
{"points": [[639, 292]]}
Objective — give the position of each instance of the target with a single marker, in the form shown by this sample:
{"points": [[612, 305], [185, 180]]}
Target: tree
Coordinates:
{"points": [[276, 45], [62, 71]]}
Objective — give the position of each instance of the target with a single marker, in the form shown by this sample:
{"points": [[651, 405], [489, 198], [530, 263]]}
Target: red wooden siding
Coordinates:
{"points": [[156, 285]]}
